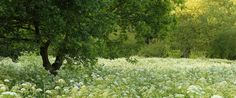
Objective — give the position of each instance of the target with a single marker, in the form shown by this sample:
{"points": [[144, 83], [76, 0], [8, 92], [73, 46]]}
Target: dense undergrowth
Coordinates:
{"points": [[148, 77]]}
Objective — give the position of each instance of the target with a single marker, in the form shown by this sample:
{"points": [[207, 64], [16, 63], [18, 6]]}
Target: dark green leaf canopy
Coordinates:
{"points": [[79, 28]]}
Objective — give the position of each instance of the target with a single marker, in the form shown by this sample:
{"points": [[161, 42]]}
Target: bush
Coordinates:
{"points": [[157, 49], [198, 54], [174, 53], [224, 46]]}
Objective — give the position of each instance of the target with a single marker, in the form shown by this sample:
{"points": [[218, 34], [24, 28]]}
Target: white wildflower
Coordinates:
{"points": [[235, 82], [6, 80], [26, 85], [66, 90], [116, 83], [86, 76], [23, 89], [179, 87], [195, 89], [223, 83], [57, 87], [39, 90], [94, 75], [72, 81], [137, 96], [48, 92], [3, 87], [61, 81], [179, 96], [203, 80], [216, 96], [9, 93], [99, 79]]}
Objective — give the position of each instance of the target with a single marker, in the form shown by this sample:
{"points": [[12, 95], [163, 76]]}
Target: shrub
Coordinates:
{"points": [[224, 46]]}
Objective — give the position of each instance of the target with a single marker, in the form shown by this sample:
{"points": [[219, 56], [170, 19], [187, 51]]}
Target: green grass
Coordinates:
{"points": [[148, 78]]}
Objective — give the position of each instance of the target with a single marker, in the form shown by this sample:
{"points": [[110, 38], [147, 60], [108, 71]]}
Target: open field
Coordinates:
{"points": [[117, 48], [148, 77]]}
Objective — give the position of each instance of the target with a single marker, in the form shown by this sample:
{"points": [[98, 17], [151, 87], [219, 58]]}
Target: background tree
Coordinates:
{"points": [[223, 18], [199, 23], [191, 23]]}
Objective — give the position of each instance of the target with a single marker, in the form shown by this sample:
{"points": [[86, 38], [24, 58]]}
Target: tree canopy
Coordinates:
{"points": [[78, 29]]}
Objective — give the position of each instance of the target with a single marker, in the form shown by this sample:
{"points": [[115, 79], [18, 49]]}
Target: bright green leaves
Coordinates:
{"points": [[200, 25]]}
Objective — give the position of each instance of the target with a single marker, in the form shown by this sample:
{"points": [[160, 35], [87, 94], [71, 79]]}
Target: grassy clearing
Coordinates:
{"points": [[149, 77]]}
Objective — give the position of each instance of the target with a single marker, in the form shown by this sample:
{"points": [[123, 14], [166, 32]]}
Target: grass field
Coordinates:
{"points": [[147, 78]]}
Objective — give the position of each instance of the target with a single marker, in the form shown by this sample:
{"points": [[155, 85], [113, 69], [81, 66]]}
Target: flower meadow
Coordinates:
{"points": [[119, 78]]}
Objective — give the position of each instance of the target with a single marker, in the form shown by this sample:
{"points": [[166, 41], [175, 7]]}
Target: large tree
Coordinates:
{"points": [[77, 29]]}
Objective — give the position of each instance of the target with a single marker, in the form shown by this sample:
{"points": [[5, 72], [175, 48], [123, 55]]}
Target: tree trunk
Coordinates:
{"points": [[148, 40], [44, 55], [52, 68], [57, 64], [186, 53]]}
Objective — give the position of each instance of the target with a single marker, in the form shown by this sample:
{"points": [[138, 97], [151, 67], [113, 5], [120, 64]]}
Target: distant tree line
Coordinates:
{"points": [[204, 28]]}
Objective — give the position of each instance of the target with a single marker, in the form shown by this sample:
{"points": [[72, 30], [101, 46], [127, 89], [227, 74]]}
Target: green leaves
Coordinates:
{"points": [[81, 28], [200, 23]]}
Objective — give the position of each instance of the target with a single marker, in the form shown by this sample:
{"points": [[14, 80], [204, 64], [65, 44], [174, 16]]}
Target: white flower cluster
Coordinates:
{"points": [[9, 95], [149, 77], [3, 88], [195, 89], [6, 80], [61, 81], [216, 96]]}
